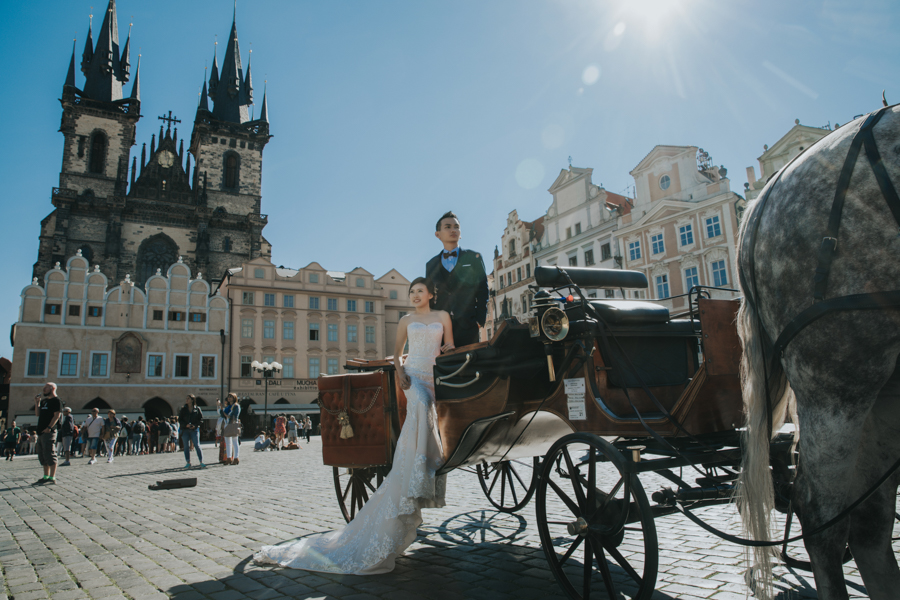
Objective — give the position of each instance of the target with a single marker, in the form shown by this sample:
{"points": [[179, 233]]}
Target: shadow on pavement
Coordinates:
{"points": [[164, 471]]}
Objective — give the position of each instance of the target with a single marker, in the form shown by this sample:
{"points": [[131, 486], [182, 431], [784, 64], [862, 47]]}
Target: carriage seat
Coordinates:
{"points": [[631, 312]]}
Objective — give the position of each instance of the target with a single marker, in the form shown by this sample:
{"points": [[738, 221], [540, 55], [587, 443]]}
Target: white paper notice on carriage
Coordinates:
{"points": [[575, 399]]}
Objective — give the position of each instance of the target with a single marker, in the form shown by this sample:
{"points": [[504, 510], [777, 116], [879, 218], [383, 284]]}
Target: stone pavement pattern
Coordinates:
{"points": [[100, 533]]}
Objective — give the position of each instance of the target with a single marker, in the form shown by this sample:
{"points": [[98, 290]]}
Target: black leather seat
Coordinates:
{"points": [[630, 312]]}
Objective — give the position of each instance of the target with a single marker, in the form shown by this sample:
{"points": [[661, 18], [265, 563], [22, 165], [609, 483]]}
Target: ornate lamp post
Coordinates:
{"points": [[267, 370]]}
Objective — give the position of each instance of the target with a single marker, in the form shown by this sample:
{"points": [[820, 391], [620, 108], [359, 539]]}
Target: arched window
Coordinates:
{"points": [[88, 253], [98, 153], [226, 245], [157, 252], [157, 407], [231, 171]]}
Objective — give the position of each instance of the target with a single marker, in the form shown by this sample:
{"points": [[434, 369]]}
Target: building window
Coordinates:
{"points": [[370, 306], [573, 261], [360, 282], [713, 229], [610, 293], [370, 334], [175, 315], [332, 332], [259, 273], [512, 248], [314, 332], [634, 250], [605, 252], [269, 300], [268, 329], [639, 294], [664, 182], [37, 364], [691, 278], [231, 171], [686, 233], [287, 367], [157, 315], [402, 314], [314, 303], [518, 273], [720, 277], [568, 232], [98, 153], [247, 298], [158, 252], [527, 271], [351, 305], [226, 244], [509, 278], [657, 245], [333, 366], [52, 309], [198, 317], [208, 367], [332, 304], [393, 294], [155, 365], [68, 364], [314, 278], [351, 333], [501, 282], [287, 330], [588, 258], [314, 368], [182, 366], [99, 364], [246, 366], [74, 310], [288, 300], [95, 311], [246, 328], [577, 228], [662, 286]]}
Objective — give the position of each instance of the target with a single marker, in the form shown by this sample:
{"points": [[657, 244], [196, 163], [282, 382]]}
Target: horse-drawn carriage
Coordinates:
{"points": [[571, 407]]}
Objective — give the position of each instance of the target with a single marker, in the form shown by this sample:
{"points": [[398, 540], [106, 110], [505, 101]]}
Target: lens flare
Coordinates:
{"points": [[529, 173], [590, 75]]}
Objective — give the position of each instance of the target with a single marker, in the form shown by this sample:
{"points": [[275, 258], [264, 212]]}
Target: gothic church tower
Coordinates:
{"points": [[211, 217]]}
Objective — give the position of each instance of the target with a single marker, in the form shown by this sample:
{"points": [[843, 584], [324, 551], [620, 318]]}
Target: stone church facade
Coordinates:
{"points": [[137, 215]]}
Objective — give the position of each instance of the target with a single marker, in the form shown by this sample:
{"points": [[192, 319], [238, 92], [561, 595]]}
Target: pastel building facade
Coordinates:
{"points": [[514, 268], [796, 140]]}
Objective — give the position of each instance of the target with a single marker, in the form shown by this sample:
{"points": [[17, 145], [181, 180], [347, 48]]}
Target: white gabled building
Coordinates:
{"points": [[795, 141], [683, 226], [514, 268]]}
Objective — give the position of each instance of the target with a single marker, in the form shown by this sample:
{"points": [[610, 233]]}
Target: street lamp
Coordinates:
{"points": [[267, 370]]}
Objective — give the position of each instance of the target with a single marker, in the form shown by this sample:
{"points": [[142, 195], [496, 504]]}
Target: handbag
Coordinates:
{"points": [[232, 429]]}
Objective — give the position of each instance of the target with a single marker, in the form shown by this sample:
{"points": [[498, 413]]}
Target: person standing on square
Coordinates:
{"points": [[460, 282], [47, 408], [190, 418]]}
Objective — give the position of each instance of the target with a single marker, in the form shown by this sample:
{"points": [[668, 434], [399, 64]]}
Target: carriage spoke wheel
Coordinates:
{"points": [[354, 487], [509, 485], [595, 522]]}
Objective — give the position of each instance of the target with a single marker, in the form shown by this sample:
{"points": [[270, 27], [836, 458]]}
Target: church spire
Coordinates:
{"points": [[214, 75], [231, 93], [264, 113], [136, 87], [70, 76], [204, 103], [88, 53], [125, 61], [105, 73]]}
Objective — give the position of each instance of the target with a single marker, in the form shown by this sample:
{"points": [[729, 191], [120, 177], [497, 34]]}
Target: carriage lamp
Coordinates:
{"points": [[555, 324]]}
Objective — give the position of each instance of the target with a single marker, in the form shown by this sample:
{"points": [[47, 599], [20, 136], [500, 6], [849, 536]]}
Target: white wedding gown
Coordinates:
{"points": [[386, 524]]}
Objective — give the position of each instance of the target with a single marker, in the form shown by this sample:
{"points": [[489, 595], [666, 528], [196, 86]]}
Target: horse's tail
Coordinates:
{"points": [[755, 492]]}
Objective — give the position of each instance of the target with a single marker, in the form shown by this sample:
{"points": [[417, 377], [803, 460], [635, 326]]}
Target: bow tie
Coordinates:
{"points": [[449, 254]]}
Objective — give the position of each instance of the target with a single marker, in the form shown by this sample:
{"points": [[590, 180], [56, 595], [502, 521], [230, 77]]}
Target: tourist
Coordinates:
{"points": [[66, 434], [137, 433], [217, 434], [307, 427], [173, 436], [122, 443], [110, 433], [280, 430], [13, 433], [262, 443], [153, 434], [231, 429], [163, 431], [91, 433], [47, 408], [190, 418], [292, 430]]}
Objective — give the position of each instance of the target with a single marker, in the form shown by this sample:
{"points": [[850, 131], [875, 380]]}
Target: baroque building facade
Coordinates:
{"points": [[792, 143], [134, 215], [514, 268], [682, 229], [137, 349]]}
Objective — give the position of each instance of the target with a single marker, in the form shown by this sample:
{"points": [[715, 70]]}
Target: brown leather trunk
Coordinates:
{"points": [[366, 398]]}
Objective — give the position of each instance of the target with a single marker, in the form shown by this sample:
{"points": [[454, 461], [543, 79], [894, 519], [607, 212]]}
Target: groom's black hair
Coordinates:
{"points": [[447, 215]]}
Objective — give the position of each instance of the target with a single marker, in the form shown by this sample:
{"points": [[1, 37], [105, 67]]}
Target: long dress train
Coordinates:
{"points": [[386, 524]]}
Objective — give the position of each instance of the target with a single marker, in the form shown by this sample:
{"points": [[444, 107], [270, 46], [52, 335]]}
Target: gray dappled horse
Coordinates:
{"points": [[839, 371]]}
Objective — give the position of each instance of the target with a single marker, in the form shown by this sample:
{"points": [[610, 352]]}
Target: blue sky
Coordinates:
{"points": [[386, 114]]}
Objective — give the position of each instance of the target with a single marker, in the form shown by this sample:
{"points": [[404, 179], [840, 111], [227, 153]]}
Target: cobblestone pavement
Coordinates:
{"points": [[100, 533]]}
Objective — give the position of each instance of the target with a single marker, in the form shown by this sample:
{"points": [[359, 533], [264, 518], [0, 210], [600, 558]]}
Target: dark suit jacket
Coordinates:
{"points": [[463, 292]]}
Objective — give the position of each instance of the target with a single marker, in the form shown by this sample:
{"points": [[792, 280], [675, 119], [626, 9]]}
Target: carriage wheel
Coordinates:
{"points": [[595, 522], [354, 487], [509, 485]]}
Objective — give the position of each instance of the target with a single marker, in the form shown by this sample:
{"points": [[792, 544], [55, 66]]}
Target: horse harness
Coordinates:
{"points": [[822, 306]]}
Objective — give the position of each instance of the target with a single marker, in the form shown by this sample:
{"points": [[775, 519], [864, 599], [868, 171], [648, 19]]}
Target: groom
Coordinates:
{"points": [[460, 282]]}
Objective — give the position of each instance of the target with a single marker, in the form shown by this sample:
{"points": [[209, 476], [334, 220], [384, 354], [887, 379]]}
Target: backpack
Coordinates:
{"points": [[138, 427]]}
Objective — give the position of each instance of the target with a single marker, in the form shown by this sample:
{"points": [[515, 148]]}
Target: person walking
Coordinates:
{"points": [[307, 427], [11, 440], [47, 408], [163, 430], [67, 433], [122, 444], [293, 426], [173, 436], [190, 418], [231, 429], [91, 433], [110, 433], [280, 430]]}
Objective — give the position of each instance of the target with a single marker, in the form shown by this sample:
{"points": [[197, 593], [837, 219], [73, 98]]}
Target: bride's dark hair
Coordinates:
{"points": [[429, 285]]}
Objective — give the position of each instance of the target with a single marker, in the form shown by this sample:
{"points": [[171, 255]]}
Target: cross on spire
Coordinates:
{"points": [[169, 120]]}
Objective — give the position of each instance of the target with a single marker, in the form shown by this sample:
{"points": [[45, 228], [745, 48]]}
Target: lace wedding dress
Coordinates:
{"points": [[386, 524]]}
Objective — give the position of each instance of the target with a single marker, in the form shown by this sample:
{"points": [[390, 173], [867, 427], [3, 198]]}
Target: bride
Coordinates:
{"points": [[386, 524]]}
